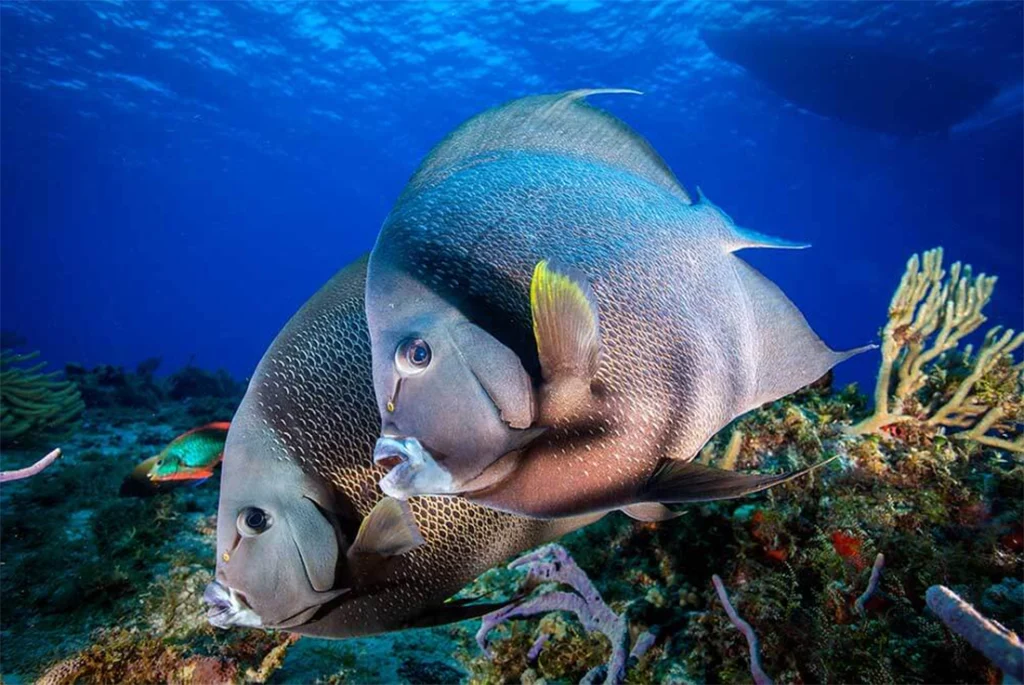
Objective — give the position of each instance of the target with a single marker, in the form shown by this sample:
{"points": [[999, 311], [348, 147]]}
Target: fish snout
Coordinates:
{"points": [[413, 469], [391, 451], [226, 607]]}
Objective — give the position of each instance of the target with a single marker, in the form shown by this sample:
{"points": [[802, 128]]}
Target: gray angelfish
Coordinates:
{"points": [[304, 540], [558, 328]]}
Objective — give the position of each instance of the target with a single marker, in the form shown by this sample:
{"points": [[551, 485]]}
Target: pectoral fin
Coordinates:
{"points": [[456, 611], [389, 530], [568, 334], [679, 482], [650, 512]]}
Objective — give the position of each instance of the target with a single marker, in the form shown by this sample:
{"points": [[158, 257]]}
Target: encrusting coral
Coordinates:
{"points": [[924, 382], [35, 405]]}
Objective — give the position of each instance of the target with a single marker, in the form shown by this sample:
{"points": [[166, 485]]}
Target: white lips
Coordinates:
{"points": [[418, 474], [225, 608]]}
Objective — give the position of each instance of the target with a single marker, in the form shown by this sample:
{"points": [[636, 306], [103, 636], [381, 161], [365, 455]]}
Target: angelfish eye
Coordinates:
{"points": [[413, 356], [252, 521]]}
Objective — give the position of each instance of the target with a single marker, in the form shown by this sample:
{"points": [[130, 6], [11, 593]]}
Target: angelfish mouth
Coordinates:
{"points": [[413, 470], [389, 460], [227, 607]]}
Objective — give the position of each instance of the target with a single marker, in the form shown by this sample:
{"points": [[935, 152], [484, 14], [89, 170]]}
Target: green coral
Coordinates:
{"points": [[35, 405]]}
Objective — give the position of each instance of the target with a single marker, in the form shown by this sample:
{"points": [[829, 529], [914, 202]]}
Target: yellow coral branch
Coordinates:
{"points": [[929, 316]]}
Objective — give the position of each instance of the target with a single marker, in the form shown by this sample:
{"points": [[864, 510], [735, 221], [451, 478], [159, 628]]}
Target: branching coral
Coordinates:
{"points": [[929, 316], [35, 404]]}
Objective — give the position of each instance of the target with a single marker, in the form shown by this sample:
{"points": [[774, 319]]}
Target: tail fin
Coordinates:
{"points": [[789, 355]]}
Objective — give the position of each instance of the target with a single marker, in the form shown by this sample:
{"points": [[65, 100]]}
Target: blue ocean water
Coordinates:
{"points": [[177, 178]]}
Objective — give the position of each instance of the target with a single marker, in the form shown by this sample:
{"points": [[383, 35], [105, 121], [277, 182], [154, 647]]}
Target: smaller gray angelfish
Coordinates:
{"points": [[305, 542], [558, 328]]}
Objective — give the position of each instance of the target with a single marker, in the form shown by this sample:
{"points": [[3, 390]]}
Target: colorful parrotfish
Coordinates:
{"points": [[191, 456]]}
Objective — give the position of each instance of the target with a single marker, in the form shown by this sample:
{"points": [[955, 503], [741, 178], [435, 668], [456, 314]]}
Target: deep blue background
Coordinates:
{"points": [[178, 178]]}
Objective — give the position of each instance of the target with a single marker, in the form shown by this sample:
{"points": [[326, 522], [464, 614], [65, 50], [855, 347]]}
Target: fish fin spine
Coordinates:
{"points": [[739, 238], [789, 354]]}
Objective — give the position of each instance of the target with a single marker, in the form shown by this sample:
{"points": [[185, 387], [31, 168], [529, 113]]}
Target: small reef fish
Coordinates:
{"points": [[191, 456], [189, 459], [304, 540], [558, 327]]}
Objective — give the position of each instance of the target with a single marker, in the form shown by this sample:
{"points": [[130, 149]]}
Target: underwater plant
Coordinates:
{"points": [[35, 405], [925, 381]]}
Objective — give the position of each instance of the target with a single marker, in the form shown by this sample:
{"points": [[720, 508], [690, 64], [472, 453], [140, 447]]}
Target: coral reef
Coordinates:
{"points": [[35, 406], [831, 572], [925, 383], [798, 560], [192, 381], [111, 386], [210, 396]]}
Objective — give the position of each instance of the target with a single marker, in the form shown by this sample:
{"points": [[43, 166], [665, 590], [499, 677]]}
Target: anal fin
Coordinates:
{"points": [[650, 512], [677, 482]]}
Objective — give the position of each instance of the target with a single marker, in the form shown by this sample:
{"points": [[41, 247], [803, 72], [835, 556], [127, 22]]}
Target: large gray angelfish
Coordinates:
{"points": [[304, 540], [558, 328]]}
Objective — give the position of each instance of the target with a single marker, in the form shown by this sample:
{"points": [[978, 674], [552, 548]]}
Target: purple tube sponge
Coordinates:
{"points": [[876, 576], [30, 471], [760, 677], [1001, 646], [553, 564]]}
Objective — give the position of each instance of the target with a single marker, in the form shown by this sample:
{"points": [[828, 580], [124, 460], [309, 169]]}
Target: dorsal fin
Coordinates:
{"points": [[561, 124], [789, 354], [738, 238]]}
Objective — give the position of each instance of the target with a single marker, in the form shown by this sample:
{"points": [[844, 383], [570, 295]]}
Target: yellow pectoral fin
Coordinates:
{"points": [[568, 333]]}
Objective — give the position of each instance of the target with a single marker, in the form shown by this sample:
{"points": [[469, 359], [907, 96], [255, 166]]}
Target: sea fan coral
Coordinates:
{"points": [[925, 381], [33, 404]]}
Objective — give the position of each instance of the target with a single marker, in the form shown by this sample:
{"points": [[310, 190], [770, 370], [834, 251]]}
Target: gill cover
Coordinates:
{"points": [[288, 571], [499, 371], [287, 567], [311, 533]]}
